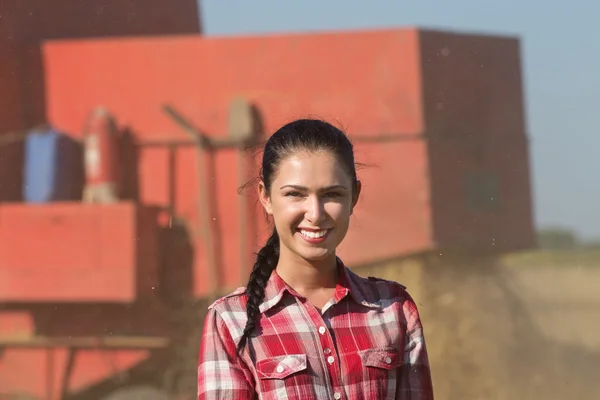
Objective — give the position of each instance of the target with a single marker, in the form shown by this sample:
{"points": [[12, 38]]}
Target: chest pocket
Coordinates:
{"points": [[381, 369], [284, 377]]}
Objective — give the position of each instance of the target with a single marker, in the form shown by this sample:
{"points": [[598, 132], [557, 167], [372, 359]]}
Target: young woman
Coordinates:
{"points": [[305, 326]]}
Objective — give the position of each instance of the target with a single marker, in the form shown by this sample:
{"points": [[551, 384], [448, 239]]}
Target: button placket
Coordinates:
{"points": [[326, 341]]}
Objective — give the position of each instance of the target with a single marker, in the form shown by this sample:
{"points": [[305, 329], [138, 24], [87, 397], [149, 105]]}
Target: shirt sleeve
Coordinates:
{"points": [[414, 382], [221, 373]]}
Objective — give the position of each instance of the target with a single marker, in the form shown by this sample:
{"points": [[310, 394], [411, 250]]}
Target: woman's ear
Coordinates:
{"points": [[355, 196], [265, 199]]}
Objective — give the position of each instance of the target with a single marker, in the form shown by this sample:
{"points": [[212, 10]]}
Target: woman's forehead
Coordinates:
{"points": [[304, 167]]}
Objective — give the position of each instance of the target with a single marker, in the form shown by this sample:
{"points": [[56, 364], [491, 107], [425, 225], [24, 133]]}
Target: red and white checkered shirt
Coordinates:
{"points": [[366, 344]]}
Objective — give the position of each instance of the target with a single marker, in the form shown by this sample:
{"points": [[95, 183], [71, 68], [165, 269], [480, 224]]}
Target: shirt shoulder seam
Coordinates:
{"points": [[235, 294]]}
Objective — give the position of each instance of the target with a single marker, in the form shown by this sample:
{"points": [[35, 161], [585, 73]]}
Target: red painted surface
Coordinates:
{"points": [[91, 253], [12, 153], [37, 370], [45, 369], [394, 216], [11, 77], [474, 113], [34, 20], [370, 81]]}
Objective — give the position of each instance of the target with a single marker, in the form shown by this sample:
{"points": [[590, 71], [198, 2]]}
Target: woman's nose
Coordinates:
{"points": [[315, 211]]}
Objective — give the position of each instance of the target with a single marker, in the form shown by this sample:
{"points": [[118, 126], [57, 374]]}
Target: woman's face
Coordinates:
{"points": [[311, 200]]}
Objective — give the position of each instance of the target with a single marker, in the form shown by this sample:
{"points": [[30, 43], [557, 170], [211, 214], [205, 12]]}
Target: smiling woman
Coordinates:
{"points": [[305, 326]]}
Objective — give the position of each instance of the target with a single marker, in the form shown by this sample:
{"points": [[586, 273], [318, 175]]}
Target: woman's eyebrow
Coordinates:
{"points": [[302, 188]]}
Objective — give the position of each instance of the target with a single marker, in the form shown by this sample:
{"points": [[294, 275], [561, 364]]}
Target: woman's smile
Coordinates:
{"points": [[314, 236]]}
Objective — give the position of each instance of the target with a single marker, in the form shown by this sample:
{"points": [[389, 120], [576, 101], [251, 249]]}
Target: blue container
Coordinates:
{"points": [[53, 167]]}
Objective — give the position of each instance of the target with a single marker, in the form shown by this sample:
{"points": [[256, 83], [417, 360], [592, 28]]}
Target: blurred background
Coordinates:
{"points": [[127, 128]]}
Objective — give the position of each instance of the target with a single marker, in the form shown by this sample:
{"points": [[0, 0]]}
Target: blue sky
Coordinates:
{"points": [[561, 65]]}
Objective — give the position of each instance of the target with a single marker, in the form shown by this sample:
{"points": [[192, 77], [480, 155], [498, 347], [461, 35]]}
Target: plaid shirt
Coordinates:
{"points": [[366, 344]]}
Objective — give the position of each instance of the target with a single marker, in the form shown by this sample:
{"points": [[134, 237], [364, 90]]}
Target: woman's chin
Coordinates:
{"points": [[315, 254]]}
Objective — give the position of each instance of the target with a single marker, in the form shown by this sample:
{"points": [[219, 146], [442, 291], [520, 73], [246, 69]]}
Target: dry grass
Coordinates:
{"points": [[524, 326]]}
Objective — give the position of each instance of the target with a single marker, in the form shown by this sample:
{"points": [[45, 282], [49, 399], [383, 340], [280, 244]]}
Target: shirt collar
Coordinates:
{"points": [[348, 284]]}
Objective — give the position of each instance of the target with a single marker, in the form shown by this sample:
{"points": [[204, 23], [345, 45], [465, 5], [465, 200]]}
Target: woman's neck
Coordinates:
{"points": [[307, 276]]}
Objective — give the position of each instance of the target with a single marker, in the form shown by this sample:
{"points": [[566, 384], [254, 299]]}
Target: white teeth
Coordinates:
{"points": [[313, 235]]}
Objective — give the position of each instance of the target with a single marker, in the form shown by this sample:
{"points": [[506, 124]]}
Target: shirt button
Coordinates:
{"points": [[337, 396], [327, 351], [280, 369], [322, 330], [330, 359], [388, 360]]}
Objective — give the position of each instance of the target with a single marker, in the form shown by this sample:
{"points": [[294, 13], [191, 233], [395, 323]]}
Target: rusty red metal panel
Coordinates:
{"points": [[369, 80], [35, 20], [76, 253], [12, 153], [22, 105], [11, 101], [478, 149]]}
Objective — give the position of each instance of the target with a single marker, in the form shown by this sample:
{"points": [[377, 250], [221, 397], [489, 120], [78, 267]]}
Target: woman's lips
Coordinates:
{"points": [[314, 236]]}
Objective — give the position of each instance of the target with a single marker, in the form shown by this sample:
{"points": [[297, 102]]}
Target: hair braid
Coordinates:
{"points": [[266, 261]]}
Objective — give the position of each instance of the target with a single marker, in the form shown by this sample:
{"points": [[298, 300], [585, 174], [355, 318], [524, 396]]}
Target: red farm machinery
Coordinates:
{"points": [[123, 148]]}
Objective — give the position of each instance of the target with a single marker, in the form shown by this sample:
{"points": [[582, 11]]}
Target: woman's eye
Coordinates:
{"points": [[326, 195]]}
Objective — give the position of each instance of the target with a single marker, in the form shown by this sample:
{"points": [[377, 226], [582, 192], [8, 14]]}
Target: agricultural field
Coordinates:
{"points": [[520, 326]]}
